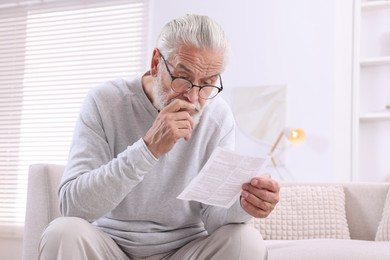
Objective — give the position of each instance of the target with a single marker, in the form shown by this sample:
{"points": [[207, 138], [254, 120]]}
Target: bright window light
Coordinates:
{"points": [[52, 53]]}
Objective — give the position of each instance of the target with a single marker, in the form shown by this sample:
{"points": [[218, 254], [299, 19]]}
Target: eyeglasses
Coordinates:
{"points": [[181, 85]]}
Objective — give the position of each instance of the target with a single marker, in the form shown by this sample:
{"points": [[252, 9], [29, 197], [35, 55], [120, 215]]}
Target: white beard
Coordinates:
{"points": [[196, 117], [159, 96], [161, 100]]}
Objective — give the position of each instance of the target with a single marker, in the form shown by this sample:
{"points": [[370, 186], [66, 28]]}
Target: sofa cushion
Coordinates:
{"points": [[306, 212], [327, 249], [383, 232]]}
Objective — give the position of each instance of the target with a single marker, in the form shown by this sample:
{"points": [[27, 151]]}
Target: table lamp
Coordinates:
{"points": [[294, 136]]}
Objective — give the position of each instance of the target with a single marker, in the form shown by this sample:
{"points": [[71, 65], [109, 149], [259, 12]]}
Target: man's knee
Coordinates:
{"points": [[66, 229], [75, 238], [63, 231], [245, 240]]}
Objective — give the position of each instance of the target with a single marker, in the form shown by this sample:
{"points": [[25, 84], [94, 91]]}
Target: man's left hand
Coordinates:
{"points": [[260, 196]]}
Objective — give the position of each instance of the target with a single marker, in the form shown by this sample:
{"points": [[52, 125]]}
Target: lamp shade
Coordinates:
{"points": [[295, 136]]}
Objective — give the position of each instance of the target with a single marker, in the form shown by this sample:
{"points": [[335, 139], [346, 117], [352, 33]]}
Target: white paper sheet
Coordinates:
{"points": [[220, 180]]}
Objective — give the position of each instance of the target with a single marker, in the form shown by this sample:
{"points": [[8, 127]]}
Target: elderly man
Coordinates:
{"points": [[138, 143]]}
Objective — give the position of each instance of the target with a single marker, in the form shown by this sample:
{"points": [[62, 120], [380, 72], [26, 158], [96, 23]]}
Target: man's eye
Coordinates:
{"points": [[208, 82], [182, 75]]}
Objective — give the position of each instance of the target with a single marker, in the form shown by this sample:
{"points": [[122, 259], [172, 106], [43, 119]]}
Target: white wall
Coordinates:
{"points": [[305, 44]]}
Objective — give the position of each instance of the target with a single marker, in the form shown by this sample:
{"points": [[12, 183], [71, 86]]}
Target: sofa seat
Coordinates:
{"points": [[327, 221], [326, 249]]}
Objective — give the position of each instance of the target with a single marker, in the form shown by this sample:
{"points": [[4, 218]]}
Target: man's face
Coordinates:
{"points": [[198, 66]]}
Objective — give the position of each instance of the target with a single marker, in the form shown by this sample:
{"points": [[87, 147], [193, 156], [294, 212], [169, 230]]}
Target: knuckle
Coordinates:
{"points": [[261, 214], [277, 198], [276, 186], [270, 207], [265, 214]]}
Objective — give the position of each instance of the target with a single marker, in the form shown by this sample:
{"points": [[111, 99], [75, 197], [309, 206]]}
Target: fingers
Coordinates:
{"points": [[265, 188], [180, 105], [266, 183], [253, 210], [178, 116], [178, 125], [260, 196], [181, 120], [172, 123]]}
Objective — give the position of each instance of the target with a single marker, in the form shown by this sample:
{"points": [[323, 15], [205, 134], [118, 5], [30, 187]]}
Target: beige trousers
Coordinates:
{"points": [[69, 238]]}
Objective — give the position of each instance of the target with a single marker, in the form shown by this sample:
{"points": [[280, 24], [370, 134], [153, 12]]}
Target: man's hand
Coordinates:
{"points": [[260, 196], [172, 123]]}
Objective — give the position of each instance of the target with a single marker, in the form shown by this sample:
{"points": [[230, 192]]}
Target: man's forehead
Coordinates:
{"points": [[195, 61]]}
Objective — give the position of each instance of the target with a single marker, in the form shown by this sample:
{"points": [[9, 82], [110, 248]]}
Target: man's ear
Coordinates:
{"points": [[154, 63]]}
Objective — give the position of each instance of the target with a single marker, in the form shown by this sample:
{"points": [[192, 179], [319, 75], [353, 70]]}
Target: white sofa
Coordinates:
{"points": [[364, 203], [363, 209]]}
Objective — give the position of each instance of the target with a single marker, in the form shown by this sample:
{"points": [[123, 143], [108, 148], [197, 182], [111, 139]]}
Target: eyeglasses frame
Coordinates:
{"points": [[192, 84]]}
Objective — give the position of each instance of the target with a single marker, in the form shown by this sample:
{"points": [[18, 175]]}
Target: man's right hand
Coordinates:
{"points": [[172, 123]]}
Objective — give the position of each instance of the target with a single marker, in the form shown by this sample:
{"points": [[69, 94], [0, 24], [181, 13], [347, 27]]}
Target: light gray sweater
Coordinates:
{"points": [[113, 180]]}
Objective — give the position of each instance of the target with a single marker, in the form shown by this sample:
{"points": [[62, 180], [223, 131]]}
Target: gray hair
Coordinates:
{"points": [[199, 31]]}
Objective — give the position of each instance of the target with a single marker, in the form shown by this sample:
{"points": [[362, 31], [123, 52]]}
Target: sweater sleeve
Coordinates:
{"points": [[95, 180], [215, 217]]}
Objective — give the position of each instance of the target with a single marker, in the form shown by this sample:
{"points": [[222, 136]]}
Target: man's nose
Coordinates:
{"points": [[192, 95]]}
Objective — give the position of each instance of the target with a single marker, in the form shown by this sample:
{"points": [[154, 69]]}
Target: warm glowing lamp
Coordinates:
{"points": [[294, 136]]}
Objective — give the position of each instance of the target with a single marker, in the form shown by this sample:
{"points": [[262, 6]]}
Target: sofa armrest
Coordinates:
{"points": [[364, 207], [42, 204]]}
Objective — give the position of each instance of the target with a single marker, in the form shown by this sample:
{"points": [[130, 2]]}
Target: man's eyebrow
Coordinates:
{"points": [[184, 67]]}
